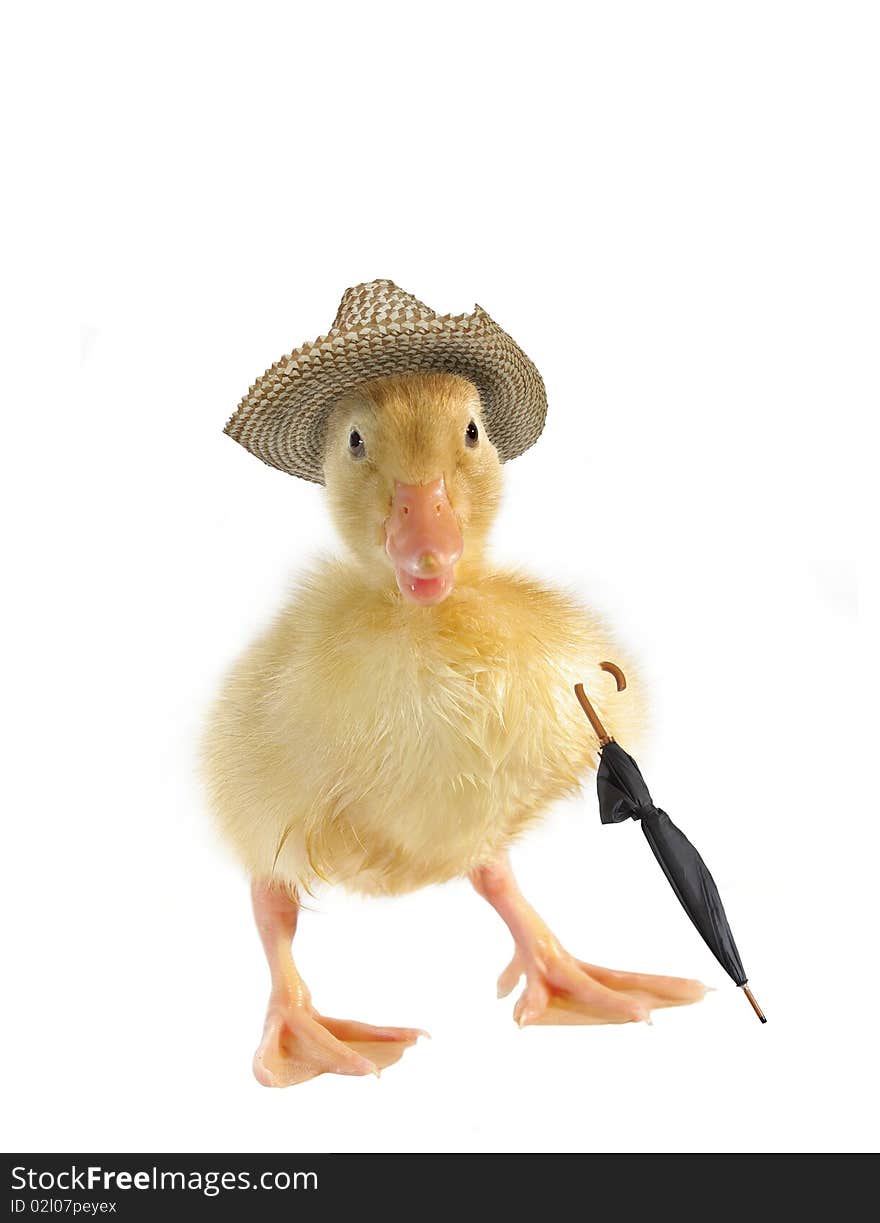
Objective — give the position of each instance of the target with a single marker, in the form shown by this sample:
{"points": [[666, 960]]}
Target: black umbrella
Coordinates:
{"points": [[624, 795]]}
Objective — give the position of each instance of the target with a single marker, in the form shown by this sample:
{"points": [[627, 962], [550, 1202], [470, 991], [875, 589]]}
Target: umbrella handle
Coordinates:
{"points": [[620, 679]]}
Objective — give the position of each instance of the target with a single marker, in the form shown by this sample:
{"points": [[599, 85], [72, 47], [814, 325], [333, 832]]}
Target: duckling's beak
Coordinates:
{"points": [[423, 540]]}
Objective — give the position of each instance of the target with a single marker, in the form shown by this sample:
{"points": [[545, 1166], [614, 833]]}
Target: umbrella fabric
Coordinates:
{"points": [[624, 795]]}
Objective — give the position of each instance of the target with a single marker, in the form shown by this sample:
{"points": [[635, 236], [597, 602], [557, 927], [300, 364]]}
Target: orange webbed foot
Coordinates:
{"points": [[299, 1044], [562, 990]]}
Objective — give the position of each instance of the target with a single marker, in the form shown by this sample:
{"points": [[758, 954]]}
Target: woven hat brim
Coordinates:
{"points": [[283, 418]]}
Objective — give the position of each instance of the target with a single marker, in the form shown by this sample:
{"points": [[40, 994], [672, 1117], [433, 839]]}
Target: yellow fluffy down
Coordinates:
{"points": [[384, 746]]}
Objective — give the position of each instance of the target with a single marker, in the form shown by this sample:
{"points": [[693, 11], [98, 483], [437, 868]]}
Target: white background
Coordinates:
{"points": [[673, 208]]}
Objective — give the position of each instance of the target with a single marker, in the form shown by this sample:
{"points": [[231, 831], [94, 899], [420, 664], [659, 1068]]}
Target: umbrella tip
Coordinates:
{"points": [[754, 1003]]}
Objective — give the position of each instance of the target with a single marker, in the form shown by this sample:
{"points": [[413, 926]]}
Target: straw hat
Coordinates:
{"points": [[380, 330]]}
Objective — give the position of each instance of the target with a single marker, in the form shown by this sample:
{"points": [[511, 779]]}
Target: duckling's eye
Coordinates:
{"points": [[471, 434], [356, 444]]}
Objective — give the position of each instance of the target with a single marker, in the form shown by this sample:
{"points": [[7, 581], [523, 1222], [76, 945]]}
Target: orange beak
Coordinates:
{"points": [[423, 541]]}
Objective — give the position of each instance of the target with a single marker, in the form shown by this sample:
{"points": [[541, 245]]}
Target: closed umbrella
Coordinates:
{"points": [[623, 795]]}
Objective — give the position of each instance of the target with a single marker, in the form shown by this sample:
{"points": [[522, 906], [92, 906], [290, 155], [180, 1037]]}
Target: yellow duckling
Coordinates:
{"points": [[407, 717]]}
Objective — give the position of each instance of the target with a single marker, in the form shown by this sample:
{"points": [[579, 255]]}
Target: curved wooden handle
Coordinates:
{"points": [[620, 679], [613, 669]]}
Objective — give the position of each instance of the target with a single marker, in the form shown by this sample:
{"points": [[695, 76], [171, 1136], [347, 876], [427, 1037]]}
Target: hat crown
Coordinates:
{"points": [[376, 302]]}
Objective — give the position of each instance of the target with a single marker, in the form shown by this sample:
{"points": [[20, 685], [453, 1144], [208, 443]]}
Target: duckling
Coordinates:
{"points": [[407, 717]]}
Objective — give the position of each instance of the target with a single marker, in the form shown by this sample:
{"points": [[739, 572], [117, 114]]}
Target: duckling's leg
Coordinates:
{"points": [[559, 988], [298, 1043]]}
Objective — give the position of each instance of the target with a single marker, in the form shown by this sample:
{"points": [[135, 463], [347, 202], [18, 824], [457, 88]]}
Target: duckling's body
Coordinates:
{"points": [[407, 716], [385, 746]]}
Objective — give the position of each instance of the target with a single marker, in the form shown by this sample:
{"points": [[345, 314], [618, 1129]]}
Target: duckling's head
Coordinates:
{"points": [[413, 481]]}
